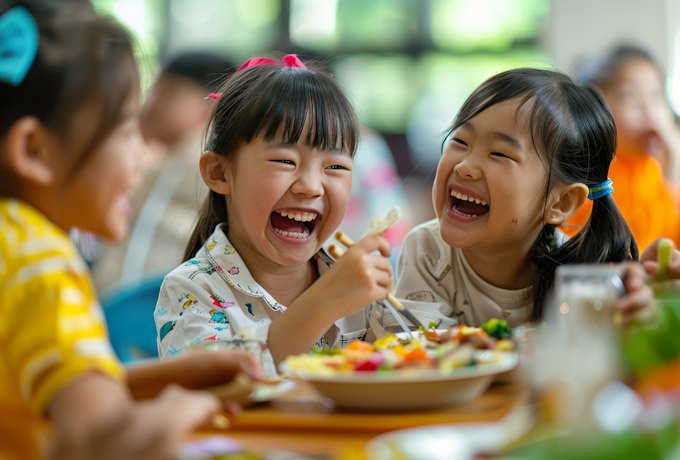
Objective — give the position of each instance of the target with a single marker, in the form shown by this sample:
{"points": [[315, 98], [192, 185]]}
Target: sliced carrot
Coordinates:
{"points": [[418, 354], [360, 345]]}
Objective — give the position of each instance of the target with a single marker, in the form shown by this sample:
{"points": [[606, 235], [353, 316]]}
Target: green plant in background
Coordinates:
{"points": [[648, 347], [661, 444]]}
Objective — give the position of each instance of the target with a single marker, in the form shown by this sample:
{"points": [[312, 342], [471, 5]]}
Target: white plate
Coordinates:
{"points": [[409, 389], [450, 442]]}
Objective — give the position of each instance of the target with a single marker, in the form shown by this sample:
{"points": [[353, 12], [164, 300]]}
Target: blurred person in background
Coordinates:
{"points": [[645, 169], [173, 121]]}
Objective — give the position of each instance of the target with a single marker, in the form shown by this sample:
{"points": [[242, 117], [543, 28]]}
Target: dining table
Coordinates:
{"points": [[305, 423]]}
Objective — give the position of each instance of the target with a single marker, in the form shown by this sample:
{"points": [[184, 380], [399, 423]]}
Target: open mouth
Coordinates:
{"points": [[294, 223], [467, 206]]}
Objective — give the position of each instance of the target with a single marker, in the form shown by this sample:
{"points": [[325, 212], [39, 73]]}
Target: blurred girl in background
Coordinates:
{"points": [[646, 168], [70, 154]]}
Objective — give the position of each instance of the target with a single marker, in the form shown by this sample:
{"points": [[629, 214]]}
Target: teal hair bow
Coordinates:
{"points": [[18, 45]]}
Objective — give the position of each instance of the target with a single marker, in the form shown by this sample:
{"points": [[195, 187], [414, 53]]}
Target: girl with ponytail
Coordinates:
{"points": [[526, 150]]}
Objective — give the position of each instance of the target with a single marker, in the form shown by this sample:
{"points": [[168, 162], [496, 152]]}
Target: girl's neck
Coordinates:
{"points": [[503, 269], [284, 283], [288, 283]]}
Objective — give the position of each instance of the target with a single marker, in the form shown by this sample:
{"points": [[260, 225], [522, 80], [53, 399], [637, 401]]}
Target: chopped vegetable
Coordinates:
{"points": [[497, 328], [326, 351], [458, 346]]}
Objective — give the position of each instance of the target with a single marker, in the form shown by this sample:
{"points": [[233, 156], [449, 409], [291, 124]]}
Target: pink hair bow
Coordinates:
{"points": [[289, 60]]}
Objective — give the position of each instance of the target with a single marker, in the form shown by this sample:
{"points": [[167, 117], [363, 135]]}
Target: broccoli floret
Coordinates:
{"points": [[497, 328], [325, 351]]}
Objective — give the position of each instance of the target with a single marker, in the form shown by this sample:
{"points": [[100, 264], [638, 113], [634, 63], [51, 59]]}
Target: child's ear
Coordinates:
{"points": [[216, 172], [29, 152], [564, 201]]}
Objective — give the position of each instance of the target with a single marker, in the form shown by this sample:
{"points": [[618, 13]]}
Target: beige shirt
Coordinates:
{"points": [[166, 207], [438, 285]]}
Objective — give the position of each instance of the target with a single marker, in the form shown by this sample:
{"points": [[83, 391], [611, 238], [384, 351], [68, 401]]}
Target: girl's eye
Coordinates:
{"points": [[501, 155], [459, 141], [285, 162], [338, 167]]}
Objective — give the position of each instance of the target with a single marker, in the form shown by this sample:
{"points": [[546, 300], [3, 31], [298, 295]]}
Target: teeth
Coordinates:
{"points": [[300, 217], [298, 235], [464, 197]]}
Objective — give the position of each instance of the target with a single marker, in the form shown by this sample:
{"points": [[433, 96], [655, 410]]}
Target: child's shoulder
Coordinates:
{"points": [[425, 232], [425, 240], [31, 245], [25, 232]]}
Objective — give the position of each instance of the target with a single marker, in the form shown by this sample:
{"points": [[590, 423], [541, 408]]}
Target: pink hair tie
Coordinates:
{"points": [[289, 60], [213, 96]]}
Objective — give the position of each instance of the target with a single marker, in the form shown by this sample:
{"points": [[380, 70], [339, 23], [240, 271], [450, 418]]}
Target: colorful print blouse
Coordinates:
{"points": [[214, 298]]}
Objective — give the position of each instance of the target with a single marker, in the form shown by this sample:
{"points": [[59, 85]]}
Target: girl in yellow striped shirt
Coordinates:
{"points": [[70, 154]]}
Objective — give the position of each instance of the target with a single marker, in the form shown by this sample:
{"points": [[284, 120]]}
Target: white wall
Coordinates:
{"points": [[579, 29]]}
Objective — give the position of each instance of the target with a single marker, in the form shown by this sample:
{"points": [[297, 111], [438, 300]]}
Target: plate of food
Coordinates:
{"points": [[430, 369]]}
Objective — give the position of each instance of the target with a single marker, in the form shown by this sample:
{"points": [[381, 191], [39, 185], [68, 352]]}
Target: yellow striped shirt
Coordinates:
{"points": [[51, 324]]}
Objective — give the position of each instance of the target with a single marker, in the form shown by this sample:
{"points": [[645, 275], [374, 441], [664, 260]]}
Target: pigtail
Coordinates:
{"points": [[606, 238], [213, 213], [544, 255]]}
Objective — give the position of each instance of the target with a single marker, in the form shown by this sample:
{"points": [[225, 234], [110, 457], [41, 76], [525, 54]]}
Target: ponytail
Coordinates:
{"points": [[213, 213], [605, 238]]}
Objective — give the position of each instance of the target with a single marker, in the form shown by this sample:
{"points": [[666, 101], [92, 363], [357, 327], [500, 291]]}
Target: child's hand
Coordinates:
{"points": [[639, 303], [196, 370], [663, 141], [94, 417], [649, 261], [358, 278]]}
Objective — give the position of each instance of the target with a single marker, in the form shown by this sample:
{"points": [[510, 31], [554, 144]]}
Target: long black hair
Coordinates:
{"points": [[275, 102], [573, 131]]}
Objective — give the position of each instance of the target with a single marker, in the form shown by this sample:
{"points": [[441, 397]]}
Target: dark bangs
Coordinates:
{"points": [[281, 104], [562, 134], [524, 84]]}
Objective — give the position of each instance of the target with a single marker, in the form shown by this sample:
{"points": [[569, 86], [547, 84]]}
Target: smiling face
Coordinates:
{"points": [[94, 195], [285, 200], [636, 97], [490, 185]]}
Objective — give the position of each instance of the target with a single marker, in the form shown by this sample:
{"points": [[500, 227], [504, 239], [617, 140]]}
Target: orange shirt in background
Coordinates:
{"points": [[647, 202]]}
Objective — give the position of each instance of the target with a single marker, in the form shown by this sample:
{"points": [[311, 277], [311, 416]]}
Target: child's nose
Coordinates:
{"points": [[468, 168], [308, 183]]}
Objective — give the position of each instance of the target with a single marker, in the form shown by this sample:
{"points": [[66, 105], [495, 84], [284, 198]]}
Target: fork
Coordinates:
{"points": [[395, 310]]}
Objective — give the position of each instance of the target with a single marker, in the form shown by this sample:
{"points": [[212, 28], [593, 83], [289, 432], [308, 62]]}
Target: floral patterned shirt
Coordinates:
{"points": [[214, 298]]}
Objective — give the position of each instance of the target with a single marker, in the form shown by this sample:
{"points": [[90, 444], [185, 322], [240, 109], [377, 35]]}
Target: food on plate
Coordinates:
{"points": [[429, 348]]}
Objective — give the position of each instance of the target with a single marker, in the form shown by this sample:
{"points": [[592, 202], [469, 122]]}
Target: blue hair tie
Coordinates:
{"points": [[602, 189], [18, 44]]}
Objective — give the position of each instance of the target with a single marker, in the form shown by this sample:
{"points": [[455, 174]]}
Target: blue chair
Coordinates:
{"points": [[128, 310]]}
